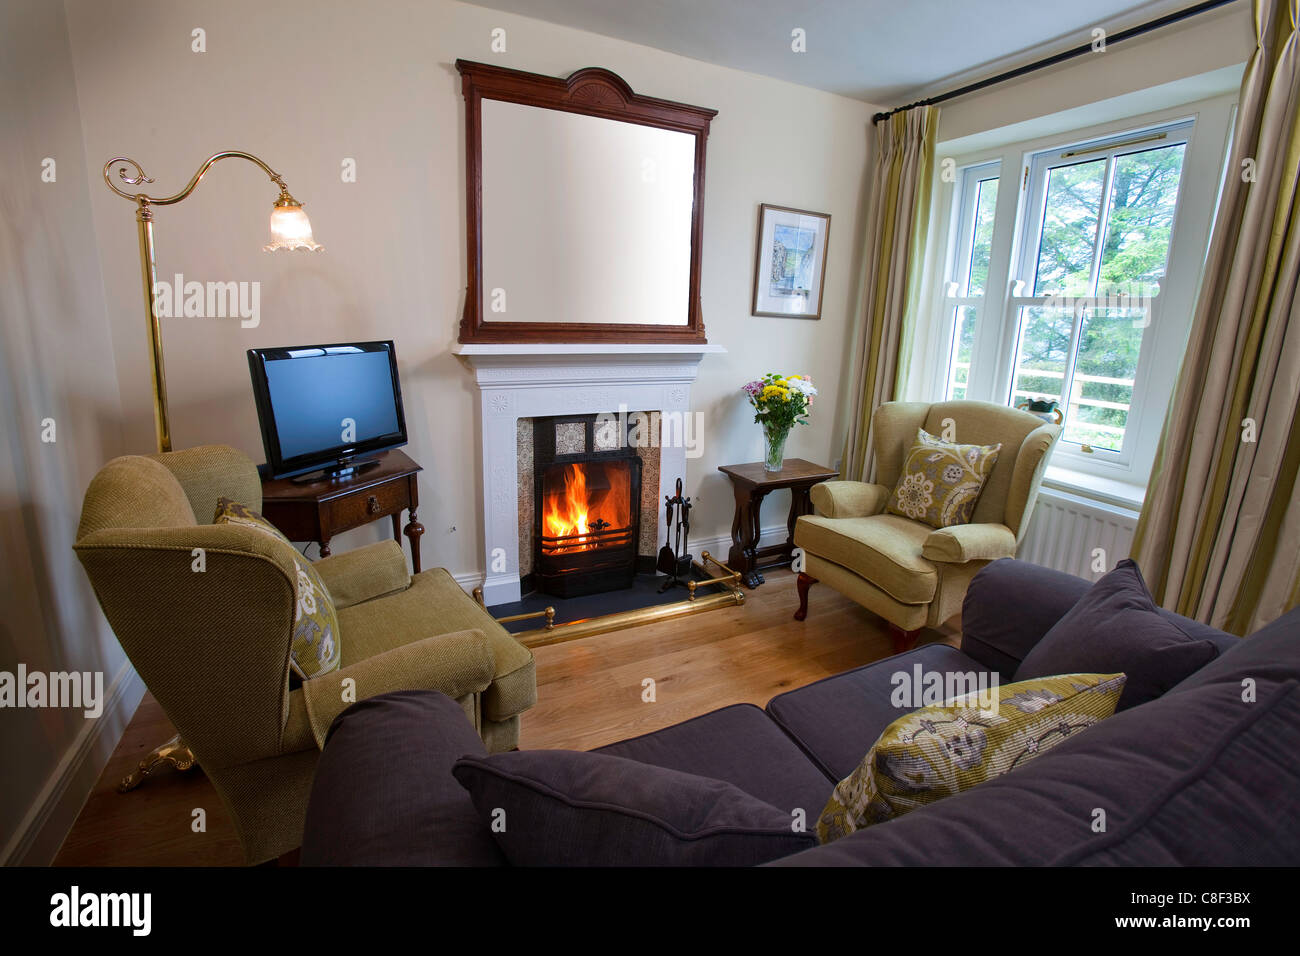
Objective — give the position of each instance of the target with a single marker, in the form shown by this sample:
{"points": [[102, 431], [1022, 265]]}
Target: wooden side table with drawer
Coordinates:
{"points": [[319, 510]]}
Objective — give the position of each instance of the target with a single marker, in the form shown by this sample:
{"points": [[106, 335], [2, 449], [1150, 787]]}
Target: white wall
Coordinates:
{"points": [[305, 85], [56, 362], [1211, 41]]}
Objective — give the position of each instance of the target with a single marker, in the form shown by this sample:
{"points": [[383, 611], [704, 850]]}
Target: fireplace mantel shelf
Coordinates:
{"points": [[547, 379], [523, 353]]}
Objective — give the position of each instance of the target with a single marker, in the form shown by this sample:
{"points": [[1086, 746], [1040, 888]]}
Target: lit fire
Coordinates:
{"points": [[578, 509]]}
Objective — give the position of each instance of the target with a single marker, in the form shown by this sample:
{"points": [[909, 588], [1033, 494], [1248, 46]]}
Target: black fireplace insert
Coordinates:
{"points": [[587, 505]]}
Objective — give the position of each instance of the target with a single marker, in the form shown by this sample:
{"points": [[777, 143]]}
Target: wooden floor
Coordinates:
{"points": [[589, 693]]}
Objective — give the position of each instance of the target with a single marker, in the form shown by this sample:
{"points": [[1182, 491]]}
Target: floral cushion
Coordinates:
{"points": [[941, 481], [315, 648], [943, 749]]}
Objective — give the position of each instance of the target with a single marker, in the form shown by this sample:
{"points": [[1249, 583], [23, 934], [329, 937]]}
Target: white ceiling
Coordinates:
{"points": [[883, 51]]}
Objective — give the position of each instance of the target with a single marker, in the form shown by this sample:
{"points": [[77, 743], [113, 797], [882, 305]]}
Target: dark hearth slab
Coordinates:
{"points": [[644, 592]]}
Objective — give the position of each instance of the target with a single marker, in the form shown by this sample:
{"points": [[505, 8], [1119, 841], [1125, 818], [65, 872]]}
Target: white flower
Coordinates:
{"points": [[803, 385], [953, 474]]}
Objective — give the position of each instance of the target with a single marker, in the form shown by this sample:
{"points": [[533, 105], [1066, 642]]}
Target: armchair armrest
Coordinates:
{"points": [[457, 664], [1009, 606], [364, 573], [849, 499], [970, 542]]}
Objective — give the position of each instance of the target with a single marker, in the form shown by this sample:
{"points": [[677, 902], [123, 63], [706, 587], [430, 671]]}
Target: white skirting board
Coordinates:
{"points": [[43, 830], [1073, 534]]}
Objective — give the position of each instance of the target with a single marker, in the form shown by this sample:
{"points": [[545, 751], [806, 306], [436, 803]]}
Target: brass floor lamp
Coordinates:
{"points": [[290, 229]]}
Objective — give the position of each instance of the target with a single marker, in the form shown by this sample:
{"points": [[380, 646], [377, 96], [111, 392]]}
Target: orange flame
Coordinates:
{"points": [[574, 508]]}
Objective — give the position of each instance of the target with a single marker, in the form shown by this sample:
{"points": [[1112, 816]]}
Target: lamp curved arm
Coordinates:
{"points": [[131, 173]]}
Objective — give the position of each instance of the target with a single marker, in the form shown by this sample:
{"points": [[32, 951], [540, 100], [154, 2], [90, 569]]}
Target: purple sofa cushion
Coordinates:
{"points": [[568, 808], [1009, 606], [384, 794], [836, 720], [741, 745], [1117, 627]]}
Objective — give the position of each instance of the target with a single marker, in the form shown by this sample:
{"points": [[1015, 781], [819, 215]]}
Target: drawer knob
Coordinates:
{"points": [[372, 504]]}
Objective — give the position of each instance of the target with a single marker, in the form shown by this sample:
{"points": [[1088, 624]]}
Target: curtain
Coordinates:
{"points": [[894, 249], [1219, 535]]}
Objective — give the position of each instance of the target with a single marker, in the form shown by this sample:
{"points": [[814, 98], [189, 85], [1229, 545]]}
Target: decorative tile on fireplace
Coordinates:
{"points": [[570, 438]]}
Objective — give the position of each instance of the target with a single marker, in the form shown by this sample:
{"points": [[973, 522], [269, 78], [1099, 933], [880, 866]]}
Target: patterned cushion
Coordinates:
{"points": [[315, 648], [945, 748], [940, 481]]}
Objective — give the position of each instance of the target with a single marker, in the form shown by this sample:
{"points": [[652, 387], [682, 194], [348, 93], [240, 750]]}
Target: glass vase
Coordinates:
{"points": [[774, 447]]}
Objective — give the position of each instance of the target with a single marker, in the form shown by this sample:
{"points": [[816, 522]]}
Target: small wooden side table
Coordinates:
{"points": [[321, 509], [751, 484]]}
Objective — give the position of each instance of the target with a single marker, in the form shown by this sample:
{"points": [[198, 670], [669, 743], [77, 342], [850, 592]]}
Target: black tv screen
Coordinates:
{"points": [[323, 405]]}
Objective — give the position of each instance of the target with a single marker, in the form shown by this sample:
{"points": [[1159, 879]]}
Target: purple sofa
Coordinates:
{"points": [[1206, 774]]}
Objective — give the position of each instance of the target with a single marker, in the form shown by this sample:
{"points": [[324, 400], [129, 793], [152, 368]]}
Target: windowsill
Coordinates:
{"points": [[1107, 491]]}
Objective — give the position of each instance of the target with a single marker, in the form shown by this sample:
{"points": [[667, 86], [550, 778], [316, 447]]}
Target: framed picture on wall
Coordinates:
{"points": [[790, 262]]}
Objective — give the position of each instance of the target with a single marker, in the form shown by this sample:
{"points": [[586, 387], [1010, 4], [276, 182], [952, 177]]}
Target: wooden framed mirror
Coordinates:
{"points": [[585, 206]]}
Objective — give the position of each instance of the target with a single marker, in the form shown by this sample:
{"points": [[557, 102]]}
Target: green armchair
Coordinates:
{"points": [[213, 645], [907, 572]]}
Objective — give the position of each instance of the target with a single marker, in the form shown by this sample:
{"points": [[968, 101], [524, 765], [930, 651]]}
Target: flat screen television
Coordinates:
{"points": [[324, 408]]}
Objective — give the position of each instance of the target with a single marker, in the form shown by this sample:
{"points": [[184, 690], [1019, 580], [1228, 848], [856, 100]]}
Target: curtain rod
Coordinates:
{"points": [[1156, 24]]}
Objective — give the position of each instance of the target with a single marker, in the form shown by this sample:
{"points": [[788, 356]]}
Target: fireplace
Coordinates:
{"points": [[518, 383], [586, 506]]}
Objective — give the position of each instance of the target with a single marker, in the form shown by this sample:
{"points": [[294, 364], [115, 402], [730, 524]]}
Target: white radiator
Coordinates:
{"points": [[1065, 530]]}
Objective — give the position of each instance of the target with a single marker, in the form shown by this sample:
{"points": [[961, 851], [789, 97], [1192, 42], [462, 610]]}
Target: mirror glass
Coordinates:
{"points": [[585, 219]]}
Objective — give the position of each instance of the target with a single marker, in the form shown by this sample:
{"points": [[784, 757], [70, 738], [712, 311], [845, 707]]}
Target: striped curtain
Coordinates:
{"points": [[1219, 536], [894, 247]]}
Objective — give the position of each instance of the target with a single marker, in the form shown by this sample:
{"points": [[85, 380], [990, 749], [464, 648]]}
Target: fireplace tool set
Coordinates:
{"points": [[675, 560]]}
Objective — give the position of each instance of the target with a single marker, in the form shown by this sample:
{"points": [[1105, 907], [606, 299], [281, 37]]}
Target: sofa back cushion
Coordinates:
{"points": [[383, 793], [1010, 605], [568, 808], [1116, 626]]}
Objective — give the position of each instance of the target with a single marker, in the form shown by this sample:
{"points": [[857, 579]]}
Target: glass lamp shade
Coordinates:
{"points": [[290, 229]]}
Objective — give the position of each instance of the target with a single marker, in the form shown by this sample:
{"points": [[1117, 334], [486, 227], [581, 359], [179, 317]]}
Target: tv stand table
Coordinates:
{"points": [[318, 510]]}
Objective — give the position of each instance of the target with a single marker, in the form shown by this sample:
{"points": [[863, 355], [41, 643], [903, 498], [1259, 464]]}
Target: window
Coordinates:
{"points": [[1103, 217], [1075, 281]]}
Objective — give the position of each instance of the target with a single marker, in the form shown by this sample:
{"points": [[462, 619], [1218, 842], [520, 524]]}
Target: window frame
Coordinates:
{"points": [[1033, 211], [961, 248], [995, 340]]}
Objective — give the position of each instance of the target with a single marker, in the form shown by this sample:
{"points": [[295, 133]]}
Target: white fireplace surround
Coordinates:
{"points": [[535, 380]]}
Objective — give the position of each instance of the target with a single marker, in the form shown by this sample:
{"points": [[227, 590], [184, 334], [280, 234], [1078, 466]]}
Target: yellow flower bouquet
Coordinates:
{"points": [[780, 402]]}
